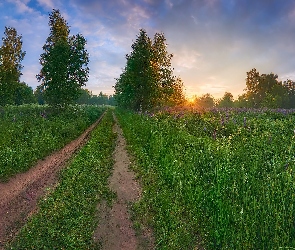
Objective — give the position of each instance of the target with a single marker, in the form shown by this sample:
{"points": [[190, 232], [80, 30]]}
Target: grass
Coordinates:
{"points": [[31, 132], [67, 215], [223, 178]]}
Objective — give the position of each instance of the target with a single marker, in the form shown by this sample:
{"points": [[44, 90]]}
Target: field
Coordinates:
{"points": [[217, 179], [224, 177], [29, 133]]}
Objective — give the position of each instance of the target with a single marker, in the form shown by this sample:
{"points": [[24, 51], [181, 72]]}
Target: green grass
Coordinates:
{"points": [[67, 216], [224, 178], [31, 132]]}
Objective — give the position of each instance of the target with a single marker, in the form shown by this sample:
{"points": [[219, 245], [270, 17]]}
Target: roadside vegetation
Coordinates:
{"points": [[67, 216], [224, 178], [31, 132]]}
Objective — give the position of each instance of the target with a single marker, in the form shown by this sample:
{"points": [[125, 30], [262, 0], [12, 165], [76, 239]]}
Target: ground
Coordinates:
{"points": [[19, 196]]}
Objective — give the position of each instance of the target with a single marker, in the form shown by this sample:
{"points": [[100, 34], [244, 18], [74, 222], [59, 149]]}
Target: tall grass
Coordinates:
{"points": [[31, 132], [67, 216], [224, 178]]}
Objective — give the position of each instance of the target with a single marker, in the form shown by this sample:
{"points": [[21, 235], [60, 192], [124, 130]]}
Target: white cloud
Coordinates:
{"points": [[186, 58], [21, 5], [47, 4]]}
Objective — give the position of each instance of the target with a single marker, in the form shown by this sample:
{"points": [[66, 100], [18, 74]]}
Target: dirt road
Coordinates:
{"points": [[19, 196]]}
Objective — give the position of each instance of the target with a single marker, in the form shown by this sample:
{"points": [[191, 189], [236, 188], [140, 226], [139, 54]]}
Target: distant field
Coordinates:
{"points": [[222, 177], [31, 132]]}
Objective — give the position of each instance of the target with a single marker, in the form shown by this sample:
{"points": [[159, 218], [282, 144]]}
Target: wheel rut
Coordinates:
{"points": [[19, 196], [115, 230]]}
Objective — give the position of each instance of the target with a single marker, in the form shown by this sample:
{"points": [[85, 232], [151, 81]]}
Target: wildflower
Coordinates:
{"points": [[222, 121]]}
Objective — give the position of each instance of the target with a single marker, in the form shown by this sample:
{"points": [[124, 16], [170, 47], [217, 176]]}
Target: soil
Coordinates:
{"points": [[19, 196], [115, 230]]}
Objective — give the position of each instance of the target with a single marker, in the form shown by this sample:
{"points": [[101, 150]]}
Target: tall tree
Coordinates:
{"points": [[264, 90], [169, 89], [147, 80], [64, 63], [11, 55], [134, 87]]}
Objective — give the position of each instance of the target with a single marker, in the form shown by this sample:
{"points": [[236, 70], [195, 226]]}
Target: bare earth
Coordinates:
{"points": [[115, 230], [19, 196]]}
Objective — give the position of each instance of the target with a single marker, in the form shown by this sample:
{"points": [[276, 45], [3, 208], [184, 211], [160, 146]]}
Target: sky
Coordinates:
{"points": [[213, 42]]}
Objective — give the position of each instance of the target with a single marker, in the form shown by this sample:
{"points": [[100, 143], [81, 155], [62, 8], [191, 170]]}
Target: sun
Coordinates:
{"points": [[190, 100]]}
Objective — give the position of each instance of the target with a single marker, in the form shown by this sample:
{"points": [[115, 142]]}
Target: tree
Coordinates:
{"points": [[39, 95], [64, 63], [84, 97], [289, 85], [24, 94], [11, 55], [169, 89], [264, 90], [147, 80], [205, 101], [226, 101], [134, 87]]}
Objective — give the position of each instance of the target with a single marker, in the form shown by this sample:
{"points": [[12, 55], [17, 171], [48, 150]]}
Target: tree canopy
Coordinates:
{"points": [[64, 63], [147, 80], [11, 56]]}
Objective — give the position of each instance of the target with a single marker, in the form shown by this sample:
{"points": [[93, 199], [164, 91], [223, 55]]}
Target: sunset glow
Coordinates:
{"points": [[214, 43]]}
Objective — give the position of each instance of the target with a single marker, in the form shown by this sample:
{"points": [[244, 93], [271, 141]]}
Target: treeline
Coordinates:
{"points": [[87, 97], [64, 68], [262, 91]]}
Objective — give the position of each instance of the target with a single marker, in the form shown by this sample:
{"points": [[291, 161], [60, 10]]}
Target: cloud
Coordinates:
{"points": [[214, 42], [21, 5], [47, 4], [186, 59]]}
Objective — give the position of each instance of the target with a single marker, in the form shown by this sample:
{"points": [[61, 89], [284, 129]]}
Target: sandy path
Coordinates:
{"points": [[115, 230], [19, 196]]}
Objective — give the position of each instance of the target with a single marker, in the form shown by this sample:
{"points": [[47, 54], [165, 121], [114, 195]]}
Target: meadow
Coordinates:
{"points": [[224, 177], [67, 215], [31, 132], [219, 178]]}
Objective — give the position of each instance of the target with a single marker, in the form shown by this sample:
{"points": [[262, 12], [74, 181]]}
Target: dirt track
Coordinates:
{"points": [[19, 196], [115, 230]]}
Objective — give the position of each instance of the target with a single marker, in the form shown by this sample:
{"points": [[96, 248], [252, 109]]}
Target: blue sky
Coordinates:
{"points": [[214, 42]]}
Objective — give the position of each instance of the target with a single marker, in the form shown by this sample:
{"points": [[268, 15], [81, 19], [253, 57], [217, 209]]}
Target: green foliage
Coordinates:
{"points": [[227, 101], [64, 63], [222, 177], [205, 101], [147, 81], [66, 217], [39, 95], [11, 55], [265, 90], [87, 97], [24, 94], [29, 133]]}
